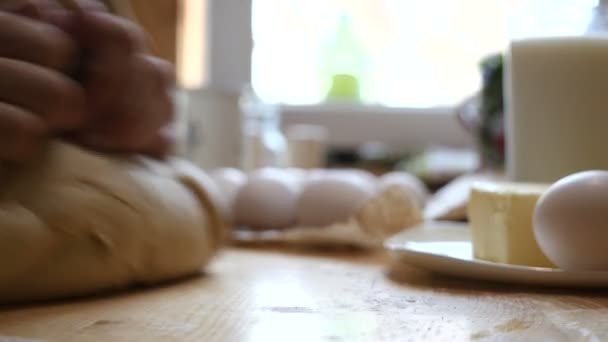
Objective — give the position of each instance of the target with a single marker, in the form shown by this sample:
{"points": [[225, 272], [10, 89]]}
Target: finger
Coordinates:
{"points": [[165, 69], [52, 5], [28, 8], [61, 12], [58, 100], [149, 79], [132, 132], [147, 102], [92, 5], [110, 43], [40, 10], [21, 133], [144, 106], [148, 90], [35, 42], [162, 145], [104, 32]]}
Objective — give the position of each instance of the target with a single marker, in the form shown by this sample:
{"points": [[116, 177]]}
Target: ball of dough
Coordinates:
{"points": [[332, 197], [268, 200], [75, 222]]}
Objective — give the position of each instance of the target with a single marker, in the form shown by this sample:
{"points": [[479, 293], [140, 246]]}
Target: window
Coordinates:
{"points": [[411, 53], [421, 58]]}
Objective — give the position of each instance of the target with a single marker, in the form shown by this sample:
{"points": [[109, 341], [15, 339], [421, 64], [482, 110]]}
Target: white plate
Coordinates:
{"points": [[445, 247]]}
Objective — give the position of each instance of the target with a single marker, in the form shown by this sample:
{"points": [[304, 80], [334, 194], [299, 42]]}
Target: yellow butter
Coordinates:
{"points": [[500, 216]]}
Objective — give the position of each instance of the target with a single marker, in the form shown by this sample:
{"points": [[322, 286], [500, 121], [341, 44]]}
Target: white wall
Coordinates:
{"points": [[217, 48], [230, 44]]}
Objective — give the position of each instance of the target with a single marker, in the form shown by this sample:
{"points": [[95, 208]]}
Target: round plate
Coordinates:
{"points": [[446, 247]]}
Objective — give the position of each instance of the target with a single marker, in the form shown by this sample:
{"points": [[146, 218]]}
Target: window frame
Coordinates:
{"points": [[229, 44], [400, 129]]}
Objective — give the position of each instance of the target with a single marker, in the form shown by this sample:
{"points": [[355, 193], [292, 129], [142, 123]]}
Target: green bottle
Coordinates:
{"points": [[344, 65]]}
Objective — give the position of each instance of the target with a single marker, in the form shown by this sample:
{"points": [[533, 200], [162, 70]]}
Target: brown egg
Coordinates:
{"points": [[268, 200]]}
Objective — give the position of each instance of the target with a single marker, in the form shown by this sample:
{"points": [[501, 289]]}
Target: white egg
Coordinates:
{"points": [[298, 173], [313, 174], [366, 176], [571, 221], [362, 177], [229, 181], [294, 174], [267, 200], [332, 197], [407, 182]]}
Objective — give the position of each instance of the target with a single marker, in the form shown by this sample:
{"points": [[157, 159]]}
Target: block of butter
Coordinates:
{"points": [[500, 216]]}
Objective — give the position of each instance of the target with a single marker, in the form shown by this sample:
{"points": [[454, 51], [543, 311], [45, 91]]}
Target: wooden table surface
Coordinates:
{"points": [[282, 295]]}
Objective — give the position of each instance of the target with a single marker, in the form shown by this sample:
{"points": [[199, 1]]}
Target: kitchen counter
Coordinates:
{"points": [[286, 295]]}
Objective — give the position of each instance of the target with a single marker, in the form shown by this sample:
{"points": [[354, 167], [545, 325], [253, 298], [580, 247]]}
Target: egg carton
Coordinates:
{"points": [[319, 207], [380, 217], [348, 234]]}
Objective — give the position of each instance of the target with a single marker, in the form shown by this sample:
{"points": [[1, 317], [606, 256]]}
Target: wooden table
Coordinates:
{"points": [[280, 295]]}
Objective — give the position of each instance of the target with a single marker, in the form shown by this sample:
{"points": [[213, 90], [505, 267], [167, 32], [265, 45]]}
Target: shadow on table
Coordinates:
{"points": [[405, 275], [104, 295]]}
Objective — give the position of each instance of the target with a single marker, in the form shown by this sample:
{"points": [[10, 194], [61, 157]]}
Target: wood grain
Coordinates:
{"points": [[286, 295]]}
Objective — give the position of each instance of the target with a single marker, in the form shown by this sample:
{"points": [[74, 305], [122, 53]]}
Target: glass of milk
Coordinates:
{"points": [[556, 92]]}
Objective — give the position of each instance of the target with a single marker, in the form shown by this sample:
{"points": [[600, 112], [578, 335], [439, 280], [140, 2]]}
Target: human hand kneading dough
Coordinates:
{"points": [[76, 218], [83, 75]]}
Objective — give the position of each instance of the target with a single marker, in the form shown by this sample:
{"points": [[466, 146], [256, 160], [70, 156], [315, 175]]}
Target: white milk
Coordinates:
{"points": [[556, 97]]}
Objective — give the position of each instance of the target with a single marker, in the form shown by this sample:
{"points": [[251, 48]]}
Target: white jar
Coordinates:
{"points": [[555, 99]]}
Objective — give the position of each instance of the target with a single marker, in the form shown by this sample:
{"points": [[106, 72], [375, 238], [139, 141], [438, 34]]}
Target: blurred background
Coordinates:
{"points": [[374, 84]]}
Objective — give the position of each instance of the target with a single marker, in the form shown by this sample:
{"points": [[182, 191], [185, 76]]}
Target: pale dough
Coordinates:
{"points": [[76, 222]]}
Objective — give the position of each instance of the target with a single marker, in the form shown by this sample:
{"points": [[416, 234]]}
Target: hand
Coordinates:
{"points": [[36, 96], [128, 91], [122, 103]]}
